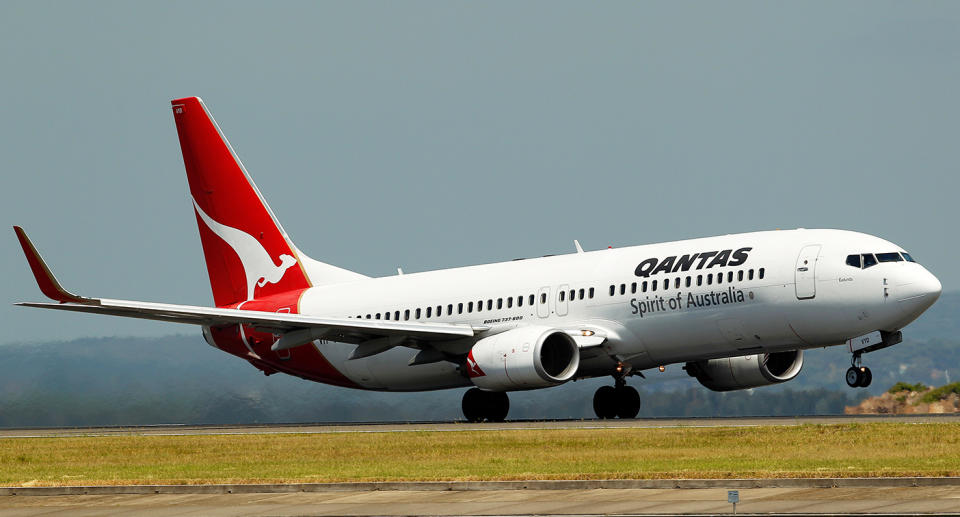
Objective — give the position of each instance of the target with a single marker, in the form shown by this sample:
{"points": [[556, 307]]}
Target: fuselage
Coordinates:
{"points": [[657, 304]]}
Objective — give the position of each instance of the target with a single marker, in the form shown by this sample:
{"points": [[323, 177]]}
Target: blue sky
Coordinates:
{"points": [[440, 134]]}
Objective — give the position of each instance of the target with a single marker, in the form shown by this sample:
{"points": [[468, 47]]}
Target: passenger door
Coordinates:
{"points": [[806, 273]]}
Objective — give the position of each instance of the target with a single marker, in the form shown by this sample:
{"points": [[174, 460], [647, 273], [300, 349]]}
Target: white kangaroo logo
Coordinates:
{"points": [[257, 264]]}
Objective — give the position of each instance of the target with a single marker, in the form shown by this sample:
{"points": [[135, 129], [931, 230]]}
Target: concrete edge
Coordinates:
{"points": [[488, 485]]}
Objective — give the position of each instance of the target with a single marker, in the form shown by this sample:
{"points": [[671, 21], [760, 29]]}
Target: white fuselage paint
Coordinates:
{"points": [[794, 306]]}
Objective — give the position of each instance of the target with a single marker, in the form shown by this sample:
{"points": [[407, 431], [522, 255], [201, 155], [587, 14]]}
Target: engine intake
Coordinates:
{"points": [[523, 358], [748, 371]]}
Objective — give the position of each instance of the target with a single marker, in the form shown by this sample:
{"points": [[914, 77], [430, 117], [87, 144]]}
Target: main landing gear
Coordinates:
{"points": [[619, 400], [479, 405], [858, 376]]}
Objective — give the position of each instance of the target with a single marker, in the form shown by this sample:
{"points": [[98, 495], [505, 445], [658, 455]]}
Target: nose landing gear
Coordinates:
{"points": [[618, 400], [479, 405], [858, 376]]}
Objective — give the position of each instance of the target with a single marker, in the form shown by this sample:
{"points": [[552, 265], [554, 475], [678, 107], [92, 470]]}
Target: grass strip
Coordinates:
{"points": [[837, 450]]}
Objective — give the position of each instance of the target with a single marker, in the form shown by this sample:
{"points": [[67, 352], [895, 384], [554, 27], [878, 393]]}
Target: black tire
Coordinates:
{"points": [[605, 402], [866, 377], [628, 402], [853, 377], [473, 405], [498, 405]]}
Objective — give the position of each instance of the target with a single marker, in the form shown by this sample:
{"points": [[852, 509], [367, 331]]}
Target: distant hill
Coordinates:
{"points": [[181, 379]]}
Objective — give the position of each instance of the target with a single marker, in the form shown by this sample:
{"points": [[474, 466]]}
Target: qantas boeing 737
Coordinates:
{"points": [[737, 310]]}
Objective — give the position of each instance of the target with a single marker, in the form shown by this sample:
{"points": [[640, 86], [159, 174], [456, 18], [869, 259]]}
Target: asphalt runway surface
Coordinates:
{"points": [[395, 427], [872, 498]]}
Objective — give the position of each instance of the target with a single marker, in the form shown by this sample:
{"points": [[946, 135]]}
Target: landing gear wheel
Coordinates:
{"points": [[498, 405], [479, 405], [605, 402], [628, 402], [866, 377], [472, 405], [853, 377]]}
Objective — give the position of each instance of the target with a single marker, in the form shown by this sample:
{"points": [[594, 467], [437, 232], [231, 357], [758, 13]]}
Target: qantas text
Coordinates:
{"points": [[703, 259]]}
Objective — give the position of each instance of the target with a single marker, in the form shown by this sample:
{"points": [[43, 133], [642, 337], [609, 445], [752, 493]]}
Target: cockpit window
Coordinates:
{"points": [[868, 260], [889, 257], [907, 257], [853, 260]]}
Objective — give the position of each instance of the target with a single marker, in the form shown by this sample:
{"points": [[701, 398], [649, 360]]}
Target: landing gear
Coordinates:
{"points": [[858, 376], [616, 401], [479, 405]]}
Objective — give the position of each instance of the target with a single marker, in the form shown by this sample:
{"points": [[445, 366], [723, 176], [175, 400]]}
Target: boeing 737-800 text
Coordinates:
{"points": [[736, 310]]}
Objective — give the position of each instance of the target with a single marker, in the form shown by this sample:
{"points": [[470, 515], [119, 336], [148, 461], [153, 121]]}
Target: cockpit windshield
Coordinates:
{"points": [[865, 260]]}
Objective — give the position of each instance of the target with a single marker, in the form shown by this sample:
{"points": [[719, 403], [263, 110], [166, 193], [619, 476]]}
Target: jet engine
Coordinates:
{"points": [[523, 358], [748, 371]]}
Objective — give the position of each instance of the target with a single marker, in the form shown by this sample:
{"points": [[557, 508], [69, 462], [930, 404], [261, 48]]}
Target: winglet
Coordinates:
{"points": [[45, 280]]}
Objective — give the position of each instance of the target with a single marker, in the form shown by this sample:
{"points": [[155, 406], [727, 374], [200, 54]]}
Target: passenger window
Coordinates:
{"points": [[563, 296], [688, 281], [591, 293], [740, 276], [612, 289], [520, 300], [406, 314], [543, 298], [760, 274], [633, 288], [653, 286], [490, 305], [709, 279], [368, 316], [531, 300], [449, 309], [470, 307], [499, 303], [750, 275], [853, 260], [573, 295], [439, 310], [623, 288], [676, 283], [480, 306], [869, 260], [396, 315], [644, 286], [581, 294], [429, 311], [729, 276], [510, 302], [459, 308], [378, 315], [386, 316], [719, 278], [889, 257], [907, 257]]}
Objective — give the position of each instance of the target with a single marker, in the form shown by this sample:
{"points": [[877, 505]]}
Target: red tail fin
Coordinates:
{"points": [[247, 252]]}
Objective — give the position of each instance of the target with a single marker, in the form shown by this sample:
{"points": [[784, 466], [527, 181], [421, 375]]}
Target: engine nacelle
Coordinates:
{"points": [[748, 371], [523, 358]]}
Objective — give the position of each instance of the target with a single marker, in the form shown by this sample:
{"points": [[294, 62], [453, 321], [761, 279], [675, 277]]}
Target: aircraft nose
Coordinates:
{"points": [[919, 291]]}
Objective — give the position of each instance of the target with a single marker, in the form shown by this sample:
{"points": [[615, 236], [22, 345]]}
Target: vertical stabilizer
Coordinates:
{"points": [[248, 254]]}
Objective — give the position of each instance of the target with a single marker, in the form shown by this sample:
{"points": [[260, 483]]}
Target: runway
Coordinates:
{"points": [[767, 501], [842, 496], [454, 426]]}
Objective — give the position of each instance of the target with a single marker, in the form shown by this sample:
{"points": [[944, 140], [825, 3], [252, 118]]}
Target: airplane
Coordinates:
{"points": [[737, 311]]}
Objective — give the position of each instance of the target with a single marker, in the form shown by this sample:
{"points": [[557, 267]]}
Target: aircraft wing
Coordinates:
{"points": [[298, 329]]}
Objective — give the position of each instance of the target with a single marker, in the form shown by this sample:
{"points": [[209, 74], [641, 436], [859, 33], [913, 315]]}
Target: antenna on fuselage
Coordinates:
{"points": [[399, 271], [576, 243]]}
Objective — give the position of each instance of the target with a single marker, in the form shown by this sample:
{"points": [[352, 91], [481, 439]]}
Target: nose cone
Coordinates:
{"points": [[919, 292]]}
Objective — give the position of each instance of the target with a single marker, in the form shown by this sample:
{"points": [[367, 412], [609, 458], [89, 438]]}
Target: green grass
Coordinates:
{"points": [[848, 450]]}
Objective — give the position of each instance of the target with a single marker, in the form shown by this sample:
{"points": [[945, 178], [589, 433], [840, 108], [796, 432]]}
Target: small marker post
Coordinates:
{"points": [[733, 496]]}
